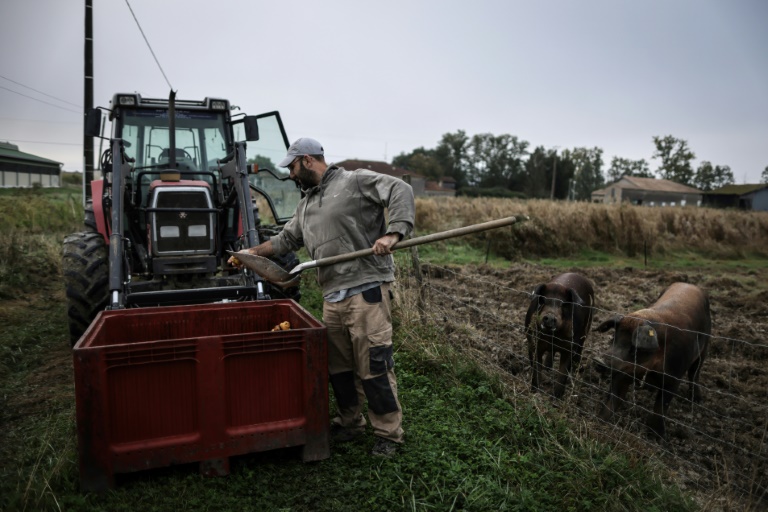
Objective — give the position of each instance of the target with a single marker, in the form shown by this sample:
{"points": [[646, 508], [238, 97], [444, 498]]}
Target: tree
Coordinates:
{"points": [[710, 177], [723, 176], [497, 161], [453, 155], [539, 169], [537, 180], [427, 165], [675, 159], [625, 167], [764, 177], [421, 161], [264, 163], [588, 175]]}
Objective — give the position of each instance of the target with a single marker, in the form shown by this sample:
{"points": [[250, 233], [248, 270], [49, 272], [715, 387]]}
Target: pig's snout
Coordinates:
{"points": [[549, 322]]}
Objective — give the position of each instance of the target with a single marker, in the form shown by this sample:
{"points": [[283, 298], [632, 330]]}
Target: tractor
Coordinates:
{"points": [[177, 193]]}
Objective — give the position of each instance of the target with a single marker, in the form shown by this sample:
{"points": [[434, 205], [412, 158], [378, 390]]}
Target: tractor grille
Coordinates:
{"points": [[181, 221]]}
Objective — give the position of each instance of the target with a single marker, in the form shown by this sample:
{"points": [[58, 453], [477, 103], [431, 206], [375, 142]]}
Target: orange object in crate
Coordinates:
{"points": [[166, 385]]}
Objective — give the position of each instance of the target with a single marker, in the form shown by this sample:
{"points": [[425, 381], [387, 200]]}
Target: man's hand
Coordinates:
{"points": [[264, 249], [384, 244], [236, 262]]}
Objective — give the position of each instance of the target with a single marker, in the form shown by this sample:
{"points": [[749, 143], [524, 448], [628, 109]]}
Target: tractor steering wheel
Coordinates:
{"points": [[180, 153]]}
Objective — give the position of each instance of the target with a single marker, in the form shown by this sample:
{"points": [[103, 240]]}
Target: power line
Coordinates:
{"points": [[39, 92], [148, 45], [41, 101]]}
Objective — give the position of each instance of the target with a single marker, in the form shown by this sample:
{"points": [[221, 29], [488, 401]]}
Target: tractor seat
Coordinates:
{"points": [[184, 161]]}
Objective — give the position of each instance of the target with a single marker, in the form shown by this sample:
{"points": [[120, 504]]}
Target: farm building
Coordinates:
{"points": [[19, 169], [648, 192], [745, 197], [422, 186]]}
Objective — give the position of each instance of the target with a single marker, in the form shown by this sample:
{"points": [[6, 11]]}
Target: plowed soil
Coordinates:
{"points": [[718, 443]]}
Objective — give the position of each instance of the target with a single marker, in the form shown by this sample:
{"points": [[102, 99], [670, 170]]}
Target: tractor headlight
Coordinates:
{"points": [[198, 230], [169, 231]]}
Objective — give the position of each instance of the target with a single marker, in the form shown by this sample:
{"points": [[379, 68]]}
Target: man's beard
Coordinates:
{"points": [[304, 177]]}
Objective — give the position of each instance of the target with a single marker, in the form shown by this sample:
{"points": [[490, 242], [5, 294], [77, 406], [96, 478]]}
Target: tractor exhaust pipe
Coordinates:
{"points": [[172, 129]]}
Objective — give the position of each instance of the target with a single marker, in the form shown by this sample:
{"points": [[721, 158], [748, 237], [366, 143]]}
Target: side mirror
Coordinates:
{"points": [[251, 124], [93, 123]]}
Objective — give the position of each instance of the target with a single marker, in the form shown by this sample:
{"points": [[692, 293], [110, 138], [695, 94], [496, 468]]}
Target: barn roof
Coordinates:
{"points": [[737, 190], [655, 185], [10, 152]]}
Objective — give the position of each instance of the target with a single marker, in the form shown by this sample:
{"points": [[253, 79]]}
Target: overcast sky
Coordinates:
{"points": [[371, 80]]}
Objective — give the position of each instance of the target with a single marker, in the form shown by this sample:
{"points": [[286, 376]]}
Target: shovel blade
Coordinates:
{"points": [[267, 269]]}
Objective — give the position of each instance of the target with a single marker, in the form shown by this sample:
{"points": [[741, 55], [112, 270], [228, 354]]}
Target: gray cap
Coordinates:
{"points": [[302, 146]]}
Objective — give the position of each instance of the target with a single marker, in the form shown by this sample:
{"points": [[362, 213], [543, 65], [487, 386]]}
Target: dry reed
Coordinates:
{"points": [[567, 228]]}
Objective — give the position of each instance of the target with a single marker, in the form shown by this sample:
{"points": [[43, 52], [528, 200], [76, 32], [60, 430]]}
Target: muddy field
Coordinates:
{"points": [[718, 443]]}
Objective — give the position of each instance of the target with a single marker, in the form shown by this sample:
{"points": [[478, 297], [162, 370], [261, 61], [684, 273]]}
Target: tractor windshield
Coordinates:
{"points": [[270, 181], [203, 138], [200, 138]]}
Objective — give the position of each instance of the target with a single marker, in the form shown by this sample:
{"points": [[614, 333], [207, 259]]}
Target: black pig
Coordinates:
{"points": [[558, 320]]}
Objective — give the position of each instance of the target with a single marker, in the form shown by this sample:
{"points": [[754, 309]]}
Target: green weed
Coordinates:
{"points": [[458, 252]]}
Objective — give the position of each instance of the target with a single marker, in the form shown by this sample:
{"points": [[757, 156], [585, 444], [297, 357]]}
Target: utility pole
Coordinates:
{"points": [[88, 101], [554, 172]]}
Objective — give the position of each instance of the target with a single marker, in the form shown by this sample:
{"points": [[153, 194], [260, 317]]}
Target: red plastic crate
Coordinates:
{"points": [[166, 385]]}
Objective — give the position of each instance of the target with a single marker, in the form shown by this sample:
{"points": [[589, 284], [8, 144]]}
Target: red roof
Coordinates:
{"points": [[381, 167], [398, 172]]}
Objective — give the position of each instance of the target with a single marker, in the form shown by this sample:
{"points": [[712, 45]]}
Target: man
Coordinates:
{"points": [[343, 211]]}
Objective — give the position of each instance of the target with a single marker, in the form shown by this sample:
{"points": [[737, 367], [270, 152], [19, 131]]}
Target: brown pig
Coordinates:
{"points": [[557, 321], [657, 346]]}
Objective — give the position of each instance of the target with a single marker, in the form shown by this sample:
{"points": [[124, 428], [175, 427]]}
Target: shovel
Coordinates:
{"points": [[276, 274]]}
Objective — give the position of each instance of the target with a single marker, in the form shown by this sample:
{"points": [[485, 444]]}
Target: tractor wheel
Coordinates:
{"points": [[86, 276], [90, 217], [287, 261]]}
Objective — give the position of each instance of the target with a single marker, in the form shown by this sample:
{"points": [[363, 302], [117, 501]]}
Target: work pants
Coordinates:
{"points": [[360, 362]]}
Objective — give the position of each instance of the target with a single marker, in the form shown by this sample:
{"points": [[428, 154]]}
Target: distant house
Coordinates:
{"points": [[445, 186], [648, 192], [745, 197], [19, 169], [422, 186]]}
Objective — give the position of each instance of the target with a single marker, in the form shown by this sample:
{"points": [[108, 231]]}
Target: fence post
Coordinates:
{"points": [[419, 282]]}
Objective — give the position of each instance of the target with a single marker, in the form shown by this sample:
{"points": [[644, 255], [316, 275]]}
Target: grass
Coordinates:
{"points": [[50, 192], [471, 445], [459, 252]]}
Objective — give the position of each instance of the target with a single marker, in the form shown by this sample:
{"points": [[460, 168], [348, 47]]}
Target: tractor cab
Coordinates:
{"points": [[177, 193]]}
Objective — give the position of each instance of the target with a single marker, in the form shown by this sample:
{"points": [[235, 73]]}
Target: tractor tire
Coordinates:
{"points": [[86, 276], [90, 217]]}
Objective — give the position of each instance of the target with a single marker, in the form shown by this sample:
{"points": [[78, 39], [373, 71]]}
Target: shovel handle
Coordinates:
{"points": [[419, 240]]}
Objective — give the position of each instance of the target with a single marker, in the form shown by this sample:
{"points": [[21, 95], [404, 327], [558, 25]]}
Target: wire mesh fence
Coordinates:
{"points": [[717, 445]]}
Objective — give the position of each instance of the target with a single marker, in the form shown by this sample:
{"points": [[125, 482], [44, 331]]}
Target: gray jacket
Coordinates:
{"points": [[345, 213]]}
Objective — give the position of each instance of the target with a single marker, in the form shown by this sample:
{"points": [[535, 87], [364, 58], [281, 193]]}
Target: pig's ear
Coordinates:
{"points": [[645, 337], [538, 292], [573, 297], [611, 323]]}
